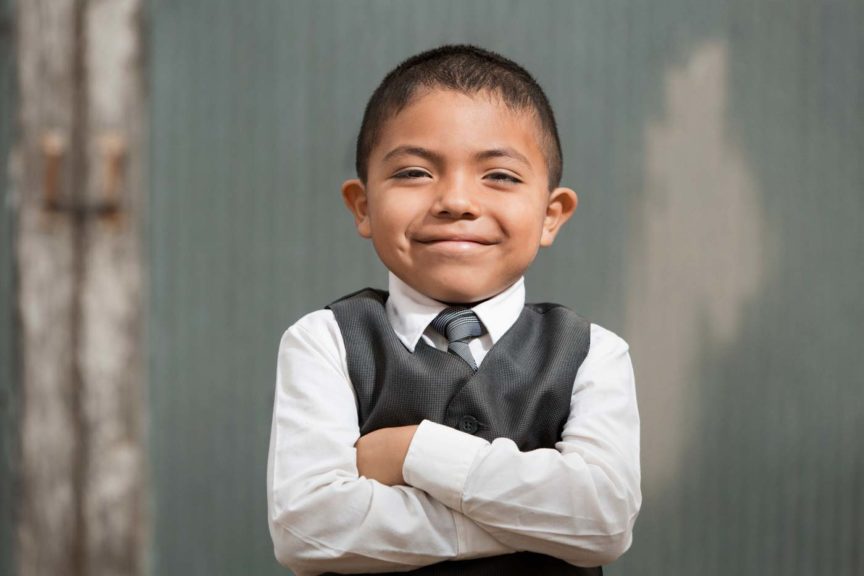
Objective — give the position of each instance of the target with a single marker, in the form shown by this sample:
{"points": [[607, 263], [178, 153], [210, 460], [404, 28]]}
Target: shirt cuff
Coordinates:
{"points": [[438, 461]]}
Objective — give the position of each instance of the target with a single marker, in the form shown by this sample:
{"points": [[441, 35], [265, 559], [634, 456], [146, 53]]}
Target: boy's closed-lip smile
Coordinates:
{"points": [[454, 242]]}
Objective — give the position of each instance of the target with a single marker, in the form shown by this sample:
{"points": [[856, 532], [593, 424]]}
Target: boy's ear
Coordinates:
{"points": [[354, 195], [562, 204]]}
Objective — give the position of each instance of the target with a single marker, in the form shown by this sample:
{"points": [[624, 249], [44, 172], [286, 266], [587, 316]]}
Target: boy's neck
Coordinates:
{"points": [[466, 304], [420, 296]]}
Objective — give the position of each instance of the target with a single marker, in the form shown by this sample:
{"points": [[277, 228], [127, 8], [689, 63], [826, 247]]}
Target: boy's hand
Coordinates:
{"points": [[381, 454]]}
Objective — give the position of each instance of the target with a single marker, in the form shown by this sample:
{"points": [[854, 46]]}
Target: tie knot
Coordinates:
{"points": [[458, 324]]}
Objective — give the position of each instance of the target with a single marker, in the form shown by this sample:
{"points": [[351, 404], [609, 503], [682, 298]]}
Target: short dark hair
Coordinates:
{"points": [[464, 68]]}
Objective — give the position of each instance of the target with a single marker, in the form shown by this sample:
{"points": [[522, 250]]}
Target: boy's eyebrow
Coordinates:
{"points": [[414, 151], [407, 150], [506, 152]]}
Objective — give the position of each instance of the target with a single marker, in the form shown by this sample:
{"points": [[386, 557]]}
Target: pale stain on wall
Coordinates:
{"points": [[697, 255]]}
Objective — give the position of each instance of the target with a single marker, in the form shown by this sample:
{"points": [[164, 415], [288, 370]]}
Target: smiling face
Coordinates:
{"points": [[456, 201]]}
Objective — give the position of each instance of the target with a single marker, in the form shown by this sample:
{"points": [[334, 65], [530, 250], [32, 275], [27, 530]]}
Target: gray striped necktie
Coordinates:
{"points": [[459, 325]]}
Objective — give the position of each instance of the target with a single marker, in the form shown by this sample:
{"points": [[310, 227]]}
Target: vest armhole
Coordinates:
{"points": [[376, 293]]}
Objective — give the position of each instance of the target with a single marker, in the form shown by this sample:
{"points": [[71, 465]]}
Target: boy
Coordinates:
{"points": [[444, 426]]}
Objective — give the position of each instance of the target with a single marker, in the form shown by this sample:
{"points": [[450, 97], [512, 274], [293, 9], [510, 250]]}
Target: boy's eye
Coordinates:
{"points": [[504, 177], [411, 173]]}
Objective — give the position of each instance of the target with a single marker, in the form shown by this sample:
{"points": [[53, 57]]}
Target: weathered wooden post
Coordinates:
{"points": [[78, 179]]}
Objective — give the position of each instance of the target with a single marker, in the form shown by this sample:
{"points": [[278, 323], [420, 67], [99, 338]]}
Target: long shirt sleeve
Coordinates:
{"points": [[323, 516], [577, 502]]}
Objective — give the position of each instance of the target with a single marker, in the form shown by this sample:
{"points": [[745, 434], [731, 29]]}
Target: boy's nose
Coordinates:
{"points": [[456, 200]]}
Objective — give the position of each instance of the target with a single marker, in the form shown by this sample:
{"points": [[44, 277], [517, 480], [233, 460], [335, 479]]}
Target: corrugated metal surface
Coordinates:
{"points": [[717, 150], [8, 355]]}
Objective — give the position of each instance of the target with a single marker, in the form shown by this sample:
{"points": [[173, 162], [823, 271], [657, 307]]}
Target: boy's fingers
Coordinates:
{"points": [[381, 454]]}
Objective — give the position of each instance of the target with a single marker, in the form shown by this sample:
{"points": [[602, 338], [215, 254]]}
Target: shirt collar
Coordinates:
{"points": [[410, 312]]}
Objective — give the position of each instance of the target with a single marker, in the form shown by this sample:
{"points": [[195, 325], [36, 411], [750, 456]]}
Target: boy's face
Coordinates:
{"points": [[457, 201]]}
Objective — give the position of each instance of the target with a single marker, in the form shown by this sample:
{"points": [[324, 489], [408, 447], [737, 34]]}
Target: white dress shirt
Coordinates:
{"points": [[466, 497]]}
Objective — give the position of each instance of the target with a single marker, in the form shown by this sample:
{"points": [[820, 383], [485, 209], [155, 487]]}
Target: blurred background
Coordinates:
{"points": [[170, 205]]}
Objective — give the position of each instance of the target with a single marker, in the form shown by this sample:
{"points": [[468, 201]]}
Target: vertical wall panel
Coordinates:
{"points": [[8, 347], [716, 148]]}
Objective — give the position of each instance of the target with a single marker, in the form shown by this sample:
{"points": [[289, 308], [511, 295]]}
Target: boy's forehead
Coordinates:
{"points": [[448, 103], [435, 108]]}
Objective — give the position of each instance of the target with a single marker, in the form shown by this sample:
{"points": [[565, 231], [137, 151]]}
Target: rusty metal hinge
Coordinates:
{"points": [[113, 150]]}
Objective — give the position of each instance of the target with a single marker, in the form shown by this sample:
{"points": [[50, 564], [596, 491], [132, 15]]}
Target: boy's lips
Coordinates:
{"points": [[434, 238], [455, 245]]}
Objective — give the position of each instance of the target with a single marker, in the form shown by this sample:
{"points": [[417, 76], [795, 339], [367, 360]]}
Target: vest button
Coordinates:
{"points": [[469, 424]]}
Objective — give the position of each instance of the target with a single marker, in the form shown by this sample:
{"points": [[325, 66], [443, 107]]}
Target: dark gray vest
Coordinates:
{"points": [[521, 391]]}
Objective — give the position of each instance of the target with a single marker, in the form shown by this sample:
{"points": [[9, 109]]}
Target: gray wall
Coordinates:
{"points": [[8, 345], [717, 151]]}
